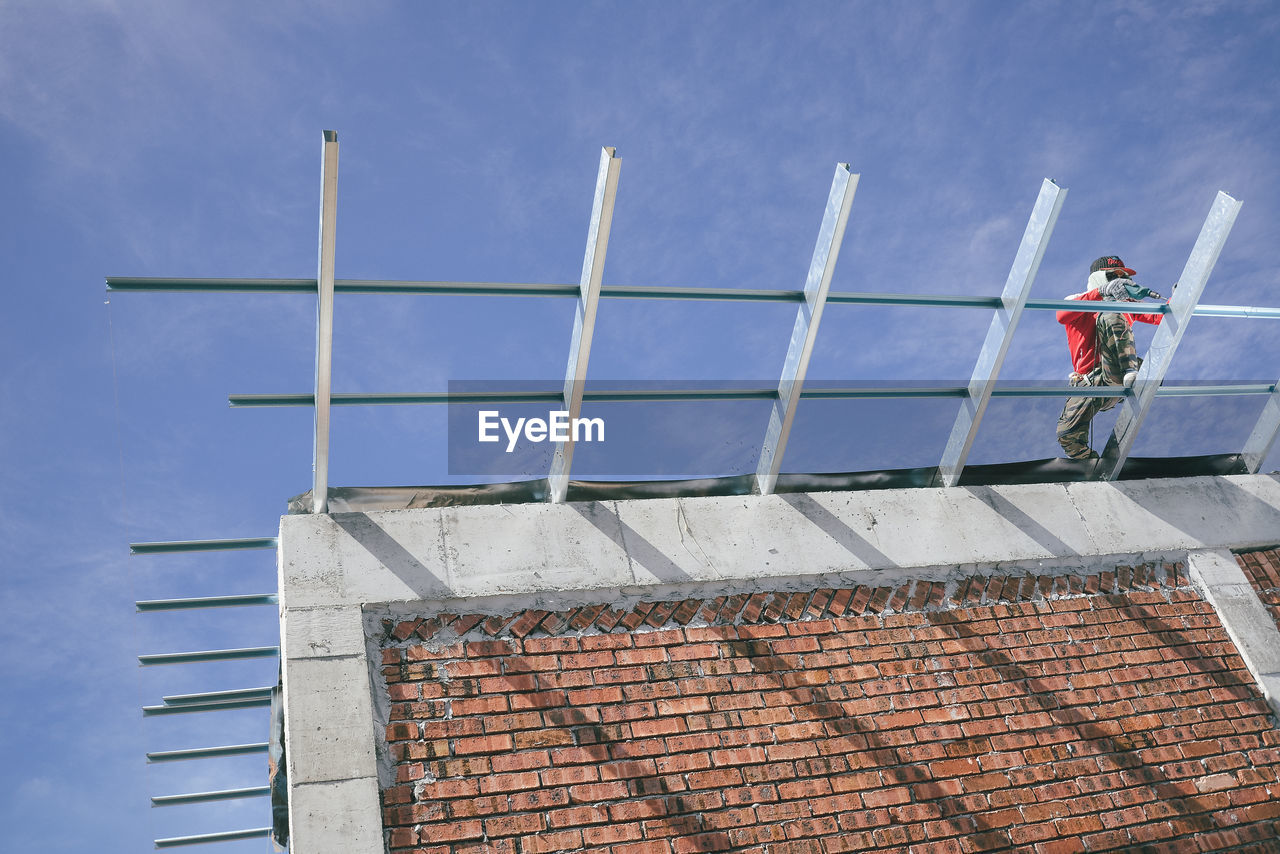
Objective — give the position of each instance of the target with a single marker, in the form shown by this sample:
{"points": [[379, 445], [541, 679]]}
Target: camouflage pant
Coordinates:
{"points": [[1116, 357]]}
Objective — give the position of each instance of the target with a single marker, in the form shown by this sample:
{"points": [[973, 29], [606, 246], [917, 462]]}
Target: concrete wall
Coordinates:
{"points": [[510, 556]]}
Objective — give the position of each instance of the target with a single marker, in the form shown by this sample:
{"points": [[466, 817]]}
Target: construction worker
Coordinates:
{"points": [[1102, 350]]}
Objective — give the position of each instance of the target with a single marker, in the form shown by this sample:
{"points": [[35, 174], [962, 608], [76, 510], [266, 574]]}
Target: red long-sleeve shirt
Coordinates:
{"points": [[1082, 339]]}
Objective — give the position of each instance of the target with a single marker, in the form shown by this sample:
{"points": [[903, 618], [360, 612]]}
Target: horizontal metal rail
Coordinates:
{"points": [[150, 605], [1237, 311], [514, 397], [207, 752], [226, 836], [1118, 391], [252, 400], [201, 546], [1061, 391], [195, 708], [1097, 306], [246, 400], [210, 797], [219, 696], [375, 286], [145, 284], [1214, 390], [874, 393], [209, 655]]}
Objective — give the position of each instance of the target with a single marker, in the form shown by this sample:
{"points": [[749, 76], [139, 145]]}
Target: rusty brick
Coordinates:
{"points": [[402, 731], [512, 782], [649, 655], [514, 825], [599, 837], [578, 816], [565, 840], [636, 616], [609, 618], [660, 613], [716, 841], [488, 648], [405, 629], [524, 624], [452, 831], [685, 611]]}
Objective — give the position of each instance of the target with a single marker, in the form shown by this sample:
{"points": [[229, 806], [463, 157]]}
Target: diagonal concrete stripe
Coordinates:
{"points": [[1223, 583]]}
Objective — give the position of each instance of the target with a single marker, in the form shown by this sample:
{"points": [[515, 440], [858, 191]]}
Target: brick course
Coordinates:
{"points": [[1039, 713]]}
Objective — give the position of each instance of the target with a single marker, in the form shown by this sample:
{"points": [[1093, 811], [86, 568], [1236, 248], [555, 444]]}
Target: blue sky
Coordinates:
{"points": [[183, 139]]}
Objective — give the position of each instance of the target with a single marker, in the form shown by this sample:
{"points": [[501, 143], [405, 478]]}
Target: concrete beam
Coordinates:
{"points": [[351, 559]]}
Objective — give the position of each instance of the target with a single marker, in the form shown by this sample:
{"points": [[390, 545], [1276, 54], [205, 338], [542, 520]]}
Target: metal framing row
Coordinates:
{"points": [[982, 386]]}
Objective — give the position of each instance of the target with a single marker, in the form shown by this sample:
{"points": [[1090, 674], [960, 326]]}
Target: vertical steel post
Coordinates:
{"points": [[1134, 408], [805, 330], [1263, 437], [584, 319], [999, 335], [324, 321]]}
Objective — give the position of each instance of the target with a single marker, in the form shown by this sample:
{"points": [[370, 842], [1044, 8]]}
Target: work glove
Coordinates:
{"points": [[1135, 291], [1115, 289], [1129, 378]]}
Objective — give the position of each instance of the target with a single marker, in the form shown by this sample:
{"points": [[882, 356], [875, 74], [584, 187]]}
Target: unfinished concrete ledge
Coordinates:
{"points": [[341, 576]]}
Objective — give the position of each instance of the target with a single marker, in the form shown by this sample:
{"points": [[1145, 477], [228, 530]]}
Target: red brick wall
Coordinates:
{"points": [[1113, 713], [1263, 570]]}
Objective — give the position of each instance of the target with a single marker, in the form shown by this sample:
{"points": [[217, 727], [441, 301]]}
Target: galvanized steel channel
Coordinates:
{"points": [[324, 320], [208, 752], [176, 546], [201, 839], [152, 605], [804, 330], [209, 655], [584, 319], [210, 797], [1004, 323], [1263, 436]]}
